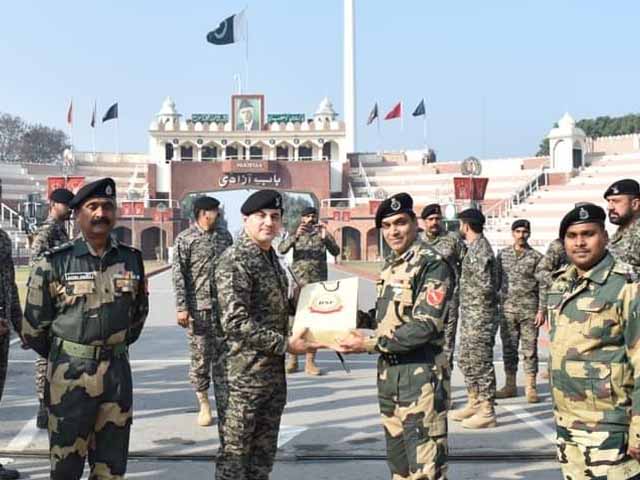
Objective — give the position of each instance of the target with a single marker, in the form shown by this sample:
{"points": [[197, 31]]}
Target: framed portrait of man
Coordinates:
{"points": [[247, 112]]}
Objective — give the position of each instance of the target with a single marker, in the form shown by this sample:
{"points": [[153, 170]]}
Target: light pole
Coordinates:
{"points": [[161, 209]]}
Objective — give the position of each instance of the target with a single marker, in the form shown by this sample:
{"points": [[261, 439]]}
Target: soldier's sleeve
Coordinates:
{"points": [[632, 344], [141, 308], [543, 275], [41, 241], [426, 318], [9, 299], [39, 310], [234, 297], [331, 245], [286, 244], [178, 267]]}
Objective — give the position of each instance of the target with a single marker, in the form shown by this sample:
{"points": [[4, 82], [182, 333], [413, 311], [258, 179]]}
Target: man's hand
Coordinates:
{"points": [[353, 343], [634, 452], [183, 319], [298, 344], [322, 228], [302, 229], [4, 327], [541, 318]]}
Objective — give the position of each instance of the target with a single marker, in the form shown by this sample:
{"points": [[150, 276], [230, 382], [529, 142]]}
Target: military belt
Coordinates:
{"points": [[421, 355], [91, 352]]}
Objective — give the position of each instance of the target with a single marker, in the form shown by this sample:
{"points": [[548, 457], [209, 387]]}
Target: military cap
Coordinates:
{"points": [[103, 188], [587, 213], [261, 200], [398, 203], [472, 215], [521, 223], [626, 186], [205, 203], [309, 211], [431, 209], [61, 195]]}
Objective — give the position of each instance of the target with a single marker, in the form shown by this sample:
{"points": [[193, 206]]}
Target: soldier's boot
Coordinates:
{"points": [[531, 391], [292, 364], [204, 415], [7, 474], [467, 410], [42, 419], [510, 389], [485, 417], [310, 367]]}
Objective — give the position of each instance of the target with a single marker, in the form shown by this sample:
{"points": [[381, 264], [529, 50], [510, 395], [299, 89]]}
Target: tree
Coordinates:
{"points": [[42, 144], [11, 132]]}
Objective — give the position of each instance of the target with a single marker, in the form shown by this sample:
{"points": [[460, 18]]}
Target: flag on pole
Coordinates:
{"points": [[420, 110], [231, 30], [93, 116], [112, 113], [395, 112], [70, 113], [373, 114]]}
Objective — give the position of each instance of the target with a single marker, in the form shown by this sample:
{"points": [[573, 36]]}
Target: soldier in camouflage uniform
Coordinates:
{"points": [[252, 297], [310, 245], [413, 371], [451, 247], [623, 203], [195, 252], [519, 302], [594, 311], [10, 314], [86, 303], [51, 233], [478, 287]]}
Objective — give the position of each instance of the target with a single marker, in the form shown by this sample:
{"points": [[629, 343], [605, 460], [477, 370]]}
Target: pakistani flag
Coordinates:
{"points": [[420, 110], [373, 114], [230, 30], [111, 113]]}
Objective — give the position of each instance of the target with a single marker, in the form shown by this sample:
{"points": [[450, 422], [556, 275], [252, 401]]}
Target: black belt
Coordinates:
{"points": [[421, 355]]}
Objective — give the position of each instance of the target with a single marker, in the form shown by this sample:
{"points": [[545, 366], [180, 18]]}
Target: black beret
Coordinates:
{"points": [[521, 223], [61, 195], [626, 186], [261, 200], [431, 209], [206, 203], [309, 211], [587, 213], [398, 203], [103, 188], [472, 215]]}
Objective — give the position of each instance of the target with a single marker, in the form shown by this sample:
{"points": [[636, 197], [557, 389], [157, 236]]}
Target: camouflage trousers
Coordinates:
{"points": [[219, 376], [90, 411], [251, 428], [4, 361], [200, 333], [595, 455], [475, 355], [40, 376], [414, 400], [519, 328], [451, 327]]}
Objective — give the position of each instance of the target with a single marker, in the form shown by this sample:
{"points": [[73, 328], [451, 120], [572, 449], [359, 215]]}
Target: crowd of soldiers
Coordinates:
{"points": [[87, 301]]}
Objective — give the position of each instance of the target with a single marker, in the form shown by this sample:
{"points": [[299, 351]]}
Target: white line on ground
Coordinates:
{"points": [[288, 433], [24, 437], [532, 421], [14, 341]]}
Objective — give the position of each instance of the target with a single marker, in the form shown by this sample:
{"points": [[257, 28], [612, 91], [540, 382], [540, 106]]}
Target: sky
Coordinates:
{"points": [[495, 75]]}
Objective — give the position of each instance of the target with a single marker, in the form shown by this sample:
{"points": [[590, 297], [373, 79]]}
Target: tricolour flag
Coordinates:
{"points": [[420, 109], [231, 30], [70, 113], [111, 113], [373, 114], [93, 116], [395, 112]]}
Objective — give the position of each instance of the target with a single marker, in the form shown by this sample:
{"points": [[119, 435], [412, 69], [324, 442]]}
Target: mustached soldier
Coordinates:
{"points": [[623, 204], [86, 303]]}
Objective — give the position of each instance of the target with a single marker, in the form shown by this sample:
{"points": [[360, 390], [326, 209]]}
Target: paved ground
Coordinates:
{"points": [[330, 428]]}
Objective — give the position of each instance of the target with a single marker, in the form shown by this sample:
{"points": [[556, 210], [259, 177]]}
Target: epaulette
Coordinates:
{"points": [[625, 269], [58, 248], [560, 271]]}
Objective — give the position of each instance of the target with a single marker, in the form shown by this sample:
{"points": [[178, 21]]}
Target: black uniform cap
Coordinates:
{"points": [[309, 211], [103, 188], [261, 200], [398, 203], [626, 186], [205, 203], [521, 223], [587, 213], [472, 215], [61, 195], [431, 209]]}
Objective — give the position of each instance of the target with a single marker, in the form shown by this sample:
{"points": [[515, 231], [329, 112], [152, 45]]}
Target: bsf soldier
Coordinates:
{"points": [[10, 315], [196, 250], [451, 247], [519, 303], [623, 204], [252, 293], [594, 312], [477, 309], [86, 303], [413, 371], [51, 233], [310, 245]]}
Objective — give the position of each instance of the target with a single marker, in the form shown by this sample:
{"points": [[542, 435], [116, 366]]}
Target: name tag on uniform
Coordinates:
{"points": [[80, 283]]}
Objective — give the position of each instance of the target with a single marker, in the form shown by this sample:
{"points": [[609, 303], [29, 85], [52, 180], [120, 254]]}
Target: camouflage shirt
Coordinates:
{"points": [[254, 309], [77, 296], [625, 244], [516, 278], [194, 254], [478, 280], [50, 234], [450, 246], [411, 305], [309, 255], [552, 260], [595, 349], [9, 299]]}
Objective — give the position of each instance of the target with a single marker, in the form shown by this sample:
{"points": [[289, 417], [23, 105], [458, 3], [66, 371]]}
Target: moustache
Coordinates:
{"points": [[99, 221]]}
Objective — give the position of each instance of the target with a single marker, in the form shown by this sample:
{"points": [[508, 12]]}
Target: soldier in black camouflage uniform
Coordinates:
{"points": [[51, 233], [310, 245], [451, 247], [10, 315], [623, 205], [195, 252], [413, 371], [252, 296], [87, 302]]}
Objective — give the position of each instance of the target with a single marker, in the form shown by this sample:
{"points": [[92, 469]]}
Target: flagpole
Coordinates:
{"points": [[424, 128], [246, 56], [379, 135], [93, 129], [118, 133], [401, 117]]}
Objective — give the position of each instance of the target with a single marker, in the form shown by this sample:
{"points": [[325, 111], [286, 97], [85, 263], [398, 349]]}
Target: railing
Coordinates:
{"points": [[10, 216], [363, 173]]}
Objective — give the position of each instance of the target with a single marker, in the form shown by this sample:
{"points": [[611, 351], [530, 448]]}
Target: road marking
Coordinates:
{"points": [[532, 420], [14, 341], [24, 437], [288, 433]]}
